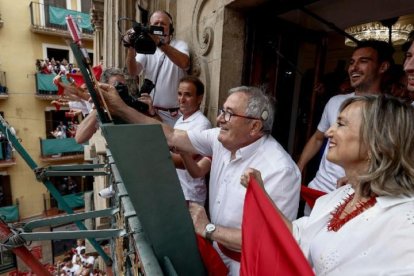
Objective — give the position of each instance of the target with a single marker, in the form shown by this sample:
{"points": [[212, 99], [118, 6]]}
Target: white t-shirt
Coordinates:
{"points": [[84, 106], [74, 270], [194, 188], [280, 174], [328, 172], [379, 241], [165, 93]]}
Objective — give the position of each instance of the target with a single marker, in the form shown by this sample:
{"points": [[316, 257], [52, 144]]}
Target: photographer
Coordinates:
{"points": [[164, 68], [112, 76]]}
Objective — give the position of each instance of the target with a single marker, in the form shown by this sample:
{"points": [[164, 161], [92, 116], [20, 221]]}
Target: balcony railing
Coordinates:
{"points": [[45, 88], [9, 213], [60, 150], [51, 20], [3, 85], [6, 155]]}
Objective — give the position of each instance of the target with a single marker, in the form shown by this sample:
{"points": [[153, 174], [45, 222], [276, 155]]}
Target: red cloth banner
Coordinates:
{"points": [[310, 195], [268, 247], [211, 259]]}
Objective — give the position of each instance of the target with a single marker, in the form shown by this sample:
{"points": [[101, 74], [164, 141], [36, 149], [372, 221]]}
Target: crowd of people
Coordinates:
{"points": [[65, 131], [52, 66], [364, 223], [6, 148], [77, 262]]}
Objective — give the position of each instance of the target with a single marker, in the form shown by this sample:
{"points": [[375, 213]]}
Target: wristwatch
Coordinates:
{"points": [[210, 228], [161, 42]]}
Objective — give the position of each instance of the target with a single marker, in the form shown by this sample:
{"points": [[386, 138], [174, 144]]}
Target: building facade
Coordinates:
{"points": [[30, 34]]}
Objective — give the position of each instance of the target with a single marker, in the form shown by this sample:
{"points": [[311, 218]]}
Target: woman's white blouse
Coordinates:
{"points": [[379, 241]]}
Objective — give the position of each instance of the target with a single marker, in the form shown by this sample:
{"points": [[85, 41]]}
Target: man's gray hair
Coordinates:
{"points": [[109, 72], [259, 105]]}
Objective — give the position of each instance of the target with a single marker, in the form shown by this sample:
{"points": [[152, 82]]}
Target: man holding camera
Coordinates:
{"points": [[164, 68]]}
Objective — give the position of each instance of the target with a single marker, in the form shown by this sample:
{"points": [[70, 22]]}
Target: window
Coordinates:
{"points": [[57, 54], [5, 191], [86, 6], [7, 259]]}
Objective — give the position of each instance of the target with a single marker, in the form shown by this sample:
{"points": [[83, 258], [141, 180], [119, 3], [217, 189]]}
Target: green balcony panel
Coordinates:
{"points": [[58, 146], [9, 213], [73, 200], [45, 85], [57, 16]]}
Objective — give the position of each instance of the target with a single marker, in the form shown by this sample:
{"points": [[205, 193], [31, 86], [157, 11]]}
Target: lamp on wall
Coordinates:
{"points": [[386, 30]]}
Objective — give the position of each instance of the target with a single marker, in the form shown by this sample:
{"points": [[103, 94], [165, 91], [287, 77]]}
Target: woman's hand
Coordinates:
{"points": [[251, 173]]}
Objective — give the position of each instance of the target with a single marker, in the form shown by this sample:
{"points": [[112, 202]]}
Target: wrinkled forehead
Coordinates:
{"points": [[159, 16], [366, 52], [352, 112], [186, 86], [237, 102]]}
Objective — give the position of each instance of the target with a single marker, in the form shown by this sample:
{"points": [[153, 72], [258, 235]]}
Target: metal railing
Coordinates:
{"points": [[50, 18], [44, 84], [137, 244], [59, 147]]}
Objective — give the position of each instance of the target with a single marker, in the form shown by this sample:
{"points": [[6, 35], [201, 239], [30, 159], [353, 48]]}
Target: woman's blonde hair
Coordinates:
{"points": [[387, 131]]}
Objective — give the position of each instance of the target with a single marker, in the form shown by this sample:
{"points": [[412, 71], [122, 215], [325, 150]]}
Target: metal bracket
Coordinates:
{"points": [[42, 174], [59, 220], [70, 235], [23, 234]]}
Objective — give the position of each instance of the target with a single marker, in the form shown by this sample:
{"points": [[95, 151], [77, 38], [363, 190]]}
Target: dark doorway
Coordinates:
{"points": [[273, 48], [57, 54], [53, 118], [5, 191]]}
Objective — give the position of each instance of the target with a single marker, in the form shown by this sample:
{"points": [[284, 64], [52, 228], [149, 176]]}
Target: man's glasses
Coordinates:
{"points": [[227, 115]]}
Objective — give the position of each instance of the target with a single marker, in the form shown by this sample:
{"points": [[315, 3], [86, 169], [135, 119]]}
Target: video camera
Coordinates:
{"points": [[130, 100], [141, 40]]}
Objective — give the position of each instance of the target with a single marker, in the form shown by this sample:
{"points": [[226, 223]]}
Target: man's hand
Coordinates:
{"points": [[157, 39], [146, 98], [199, 216], [126, 38], [114, 102], [70, 91]]}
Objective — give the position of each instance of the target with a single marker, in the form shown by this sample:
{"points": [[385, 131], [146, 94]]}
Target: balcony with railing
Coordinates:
{"points": [[45, 88], [3, 86], [61, 150], [48, 19], [6, 156]]}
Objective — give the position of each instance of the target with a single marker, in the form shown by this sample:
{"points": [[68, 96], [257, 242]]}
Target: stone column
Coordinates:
{"points": [[97, 17]]}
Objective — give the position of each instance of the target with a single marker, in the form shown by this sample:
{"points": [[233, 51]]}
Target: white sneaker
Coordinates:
{"points": [[107, 192]]}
